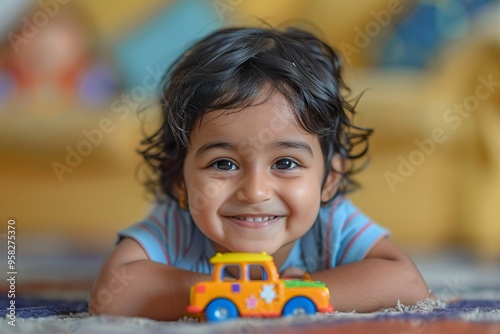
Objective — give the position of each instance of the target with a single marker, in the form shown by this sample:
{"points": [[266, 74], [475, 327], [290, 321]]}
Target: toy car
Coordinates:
{"points": [[248, 285]]}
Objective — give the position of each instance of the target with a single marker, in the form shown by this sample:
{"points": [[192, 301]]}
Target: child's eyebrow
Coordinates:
{"points": [[295, 144], [286, 144], [214, 145]]}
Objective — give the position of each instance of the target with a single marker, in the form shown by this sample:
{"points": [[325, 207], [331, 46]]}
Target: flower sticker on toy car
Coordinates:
{"points": [[268, 293], [251, 302]]}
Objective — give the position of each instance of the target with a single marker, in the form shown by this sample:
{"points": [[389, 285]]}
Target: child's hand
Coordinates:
{"points": [[293, 272]]}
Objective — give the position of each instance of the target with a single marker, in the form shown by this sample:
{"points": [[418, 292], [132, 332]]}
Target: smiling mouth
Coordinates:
{"points": [[255, 221]]}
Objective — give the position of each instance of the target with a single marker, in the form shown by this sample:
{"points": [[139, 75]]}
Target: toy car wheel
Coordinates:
{"points": [[221, 310], [299, 306]]}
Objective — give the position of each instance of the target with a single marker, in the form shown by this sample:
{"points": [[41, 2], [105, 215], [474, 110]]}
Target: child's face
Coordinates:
{"points": [[253, 177]]}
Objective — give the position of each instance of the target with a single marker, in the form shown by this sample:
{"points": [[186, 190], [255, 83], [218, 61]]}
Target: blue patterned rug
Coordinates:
{"points": [[44, 307], [44, 315]]}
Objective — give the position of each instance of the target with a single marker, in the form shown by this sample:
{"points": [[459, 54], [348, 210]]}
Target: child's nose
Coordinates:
{"points": [[255, 187]]}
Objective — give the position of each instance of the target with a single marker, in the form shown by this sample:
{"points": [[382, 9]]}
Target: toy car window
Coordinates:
{"points": [[231, 273], [257, 272]]}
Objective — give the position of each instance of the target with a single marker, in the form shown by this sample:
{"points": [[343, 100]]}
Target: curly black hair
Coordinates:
{"points": [[227, 70]]}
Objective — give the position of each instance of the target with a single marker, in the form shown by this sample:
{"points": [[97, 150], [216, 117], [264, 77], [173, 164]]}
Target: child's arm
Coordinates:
{"points": [[383, 277], [129, 284]]}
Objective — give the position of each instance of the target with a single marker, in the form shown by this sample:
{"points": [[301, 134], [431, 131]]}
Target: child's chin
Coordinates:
{"points": [[253, 248]]}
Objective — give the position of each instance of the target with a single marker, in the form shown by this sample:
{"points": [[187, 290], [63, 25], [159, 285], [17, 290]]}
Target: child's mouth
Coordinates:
{"points": [[255, 221]]}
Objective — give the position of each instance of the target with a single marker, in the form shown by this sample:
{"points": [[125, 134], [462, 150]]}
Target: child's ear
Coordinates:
{"points": [[179, 189], [333, 178]]}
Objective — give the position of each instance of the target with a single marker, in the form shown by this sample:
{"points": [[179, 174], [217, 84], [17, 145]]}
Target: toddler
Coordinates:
{"points": [[255, 154]]}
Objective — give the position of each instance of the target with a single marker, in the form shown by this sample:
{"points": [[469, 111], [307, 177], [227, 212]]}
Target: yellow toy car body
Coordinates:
{"points": [[255, 290]]}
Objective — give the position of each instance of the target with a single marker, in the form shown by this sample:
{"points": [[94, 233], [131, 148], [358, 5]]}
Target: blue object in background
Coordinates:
{"points": [[97, 86], [149, 50], [426, 29], [7, 84]]}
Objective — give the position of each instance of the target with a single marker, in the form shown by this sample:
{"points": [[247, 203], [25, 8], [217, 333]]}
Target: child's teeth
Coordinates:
{"points": [[257, 219]]}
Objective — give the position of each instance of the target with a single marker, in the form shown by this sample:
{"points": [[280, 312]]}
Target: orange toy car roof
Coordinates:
{"points": [[240, 257]]}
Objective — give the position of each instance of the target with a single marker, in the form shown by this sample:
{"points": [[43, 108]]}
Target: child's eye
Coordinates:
{"points": [[285, 164], [224, 165]]}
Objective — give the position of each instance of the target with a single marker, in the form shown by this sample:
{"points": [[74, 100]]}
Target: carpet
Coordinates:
{"points": [[45, 315]]}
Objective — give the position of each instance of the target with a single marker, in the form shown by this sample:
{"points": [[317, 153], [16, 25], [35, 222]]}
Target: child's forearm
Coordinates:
{"points": [[372, 284], [144, 289]]}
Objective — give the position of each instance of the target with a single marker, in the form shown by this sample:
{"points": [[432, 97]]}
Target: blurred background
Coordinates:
{"points": [[73, 74]]}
